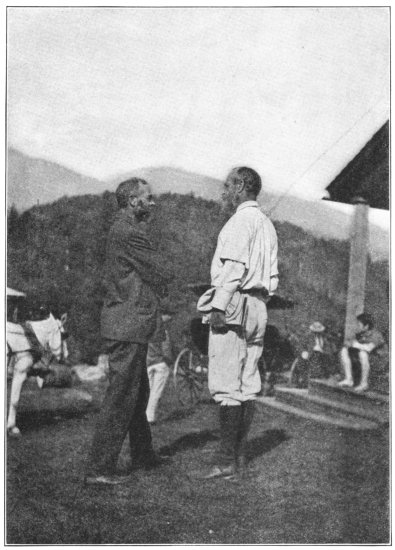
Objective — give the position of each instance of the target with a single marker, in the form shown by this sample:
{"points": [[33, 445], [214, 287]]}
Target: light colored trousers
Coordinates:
{"points": [[233, 375], [157, 376]]}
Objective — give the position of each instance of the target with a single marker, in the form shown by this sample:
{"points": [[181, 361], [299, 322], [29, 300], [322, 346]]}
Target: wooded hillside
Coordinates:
{"points": [[56, 254]]}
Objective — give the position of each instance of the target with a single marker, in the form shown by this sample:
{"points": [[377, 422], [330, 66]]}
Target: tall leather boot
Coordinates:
{"points": [[247, 415], [229, 420]]}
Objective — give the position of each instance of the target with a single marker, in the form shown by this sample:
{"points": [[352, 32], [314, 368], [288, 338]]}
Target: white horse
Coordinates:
{"points": [[50, 333]]}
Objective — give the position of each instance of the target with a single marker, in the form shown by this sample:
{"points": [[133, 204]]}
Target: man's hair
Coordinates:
{"points": [[366, 319], [251, 179], [128, 188]]}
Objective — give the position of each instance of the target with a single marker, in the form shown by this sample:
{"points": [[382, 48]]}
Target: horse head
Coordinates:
{"points": [[57, 337]]}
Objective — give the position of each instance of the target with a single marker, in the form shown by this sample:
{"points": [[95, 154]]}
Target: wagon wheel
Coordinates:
{"points": [[188, 377]]}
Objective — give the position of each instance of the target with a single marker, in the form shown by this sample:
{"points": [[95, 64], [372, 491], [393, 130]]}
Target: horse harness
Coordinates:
{"points": [[35, 348]]}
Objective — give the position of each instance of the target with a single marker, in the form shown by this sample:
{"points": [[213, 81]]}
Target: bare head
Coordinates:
{"points": [[135, 194], [242, 184], [365, 322]]}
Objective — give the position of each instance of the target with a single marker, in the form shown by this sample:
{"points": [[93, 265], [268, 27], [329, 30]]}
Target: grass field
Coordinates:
{"points": [[307, 484]]}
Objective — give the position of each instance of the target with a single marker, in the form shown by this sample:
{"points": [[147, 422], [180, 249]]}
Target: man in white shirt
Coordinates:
{"points": [[244, 274]]}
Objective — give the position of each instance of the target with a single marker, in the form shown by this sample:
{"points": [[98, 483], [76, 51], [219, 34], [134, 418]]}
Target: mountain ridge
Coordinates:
{"points": [[31, 179]]}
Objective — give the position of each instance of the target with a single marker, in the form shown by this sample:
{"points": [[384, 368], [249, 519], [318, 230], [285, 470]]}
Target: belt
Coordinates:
{"points": [[255, 291]]}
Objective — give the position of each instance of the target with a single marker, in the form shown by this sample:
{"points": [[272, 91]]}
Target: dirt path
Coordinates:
{"points": [[308, 484]]}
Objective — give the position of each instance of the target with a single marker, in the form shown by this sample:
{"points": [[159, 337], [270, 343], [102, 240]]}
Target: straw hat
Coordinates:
{"points": [[317, 327]]}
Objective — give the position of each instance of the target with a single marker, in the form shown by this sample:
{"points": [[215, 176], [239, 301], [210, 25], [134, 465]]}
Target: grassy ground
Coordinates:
{"points": [[307, 484]]}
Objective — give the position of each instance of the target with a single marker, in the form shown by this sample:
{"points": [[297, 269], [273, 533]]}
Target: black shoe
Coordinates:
{"points": [[106, 479]]}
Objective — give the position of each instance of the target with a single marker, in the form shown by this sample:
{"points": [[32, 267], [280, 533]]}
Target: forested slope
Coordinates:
{"points": [[56, 254]]}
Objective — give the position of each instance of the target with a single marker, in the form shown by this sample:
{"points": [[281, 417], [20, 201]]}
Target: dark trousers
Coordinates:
{"points": [[123, 409]]}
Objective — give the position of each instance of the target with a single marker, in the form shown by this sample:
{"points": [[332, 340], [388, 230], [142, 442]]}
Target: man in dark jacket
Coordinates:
{"points": [[135, 279]]}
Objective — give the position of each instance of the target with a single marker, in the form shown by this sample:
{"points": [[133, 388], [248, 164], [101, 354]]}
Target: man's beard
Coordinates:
{"points": [[142, 214], [227, 209]]}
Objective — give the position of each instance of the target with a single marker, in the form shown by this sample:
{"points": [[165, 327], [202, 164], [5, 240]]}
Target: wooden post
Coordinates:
{"points": [[359, 240]]}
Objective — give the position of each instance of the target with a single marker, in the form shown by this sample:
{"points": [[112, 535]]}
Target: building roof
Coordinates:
{"points": [[12, 292], [366, 175]]}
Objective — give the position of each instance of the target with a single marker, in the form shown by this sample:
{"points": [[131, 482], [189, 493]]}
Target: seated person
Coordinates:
{"points": [[368, 342]]}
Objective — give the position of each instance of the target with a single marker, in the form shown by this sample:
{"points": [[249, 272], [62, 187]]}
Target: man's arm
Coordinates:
{"points": [[369, 347], [231, 276], [140, 255]]}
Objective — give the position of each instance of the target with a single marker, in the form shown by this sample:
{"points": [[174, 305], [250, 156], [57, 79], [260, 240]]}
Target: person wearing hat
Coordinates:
{"points": [[318, 329], [159, 359], [367, 345], [243, 274]]}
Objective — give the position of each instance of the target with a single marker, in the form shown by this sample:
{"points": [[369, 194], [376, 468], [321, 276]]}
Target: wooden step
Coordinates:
{"points": [[369, 399], [302, 398], [352, 423]]}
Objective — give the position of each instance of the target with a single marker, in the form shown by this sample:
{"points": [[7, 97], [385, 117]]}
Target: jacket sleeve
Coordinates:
{"points": [[139, 254]]}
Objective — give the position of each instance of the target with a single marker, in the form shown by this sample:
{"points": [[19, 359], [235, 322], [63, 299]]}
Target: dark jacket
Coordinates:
{"points": [[134, 279]]}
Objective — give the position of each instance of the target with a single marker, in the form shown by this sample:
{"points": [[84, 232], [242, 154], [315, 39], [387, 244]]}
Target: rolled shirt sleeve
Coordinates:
{"points": [[231, 276], [273, 284]]}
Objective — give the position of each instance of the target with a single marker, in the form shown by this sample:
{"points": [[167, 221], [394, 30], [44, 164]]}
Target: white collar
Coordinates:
{"points": [[247, 204]]}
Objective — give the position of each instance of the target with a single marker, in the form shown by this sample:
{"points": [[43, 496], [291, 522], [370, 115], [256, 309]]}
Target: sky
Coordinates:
{"points": [[293, 92]]}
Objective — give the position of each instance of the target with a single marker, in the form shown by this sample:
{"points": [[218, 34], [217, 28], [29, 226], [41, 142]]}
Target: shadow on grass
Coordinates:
{"points": [[178, 414], [256, 447], [35, 420], [189, 441], [185, 411], [265, 443]]}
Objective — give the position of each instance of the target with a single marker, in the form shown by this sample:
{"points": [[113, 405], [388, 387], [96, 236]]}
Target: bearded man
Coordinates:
{"points": [[135, 279], [243, 275]]}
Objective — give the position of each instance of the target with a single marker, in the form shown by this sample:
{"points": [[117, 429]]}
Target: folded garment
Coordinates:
{"points": [[234, 314]]}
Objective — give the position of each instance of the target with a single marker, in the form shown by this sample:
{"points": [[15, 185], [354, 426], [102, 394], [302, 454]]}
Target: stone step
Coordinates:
{"points": [[352, 423], [369, 399], [302, 398]]}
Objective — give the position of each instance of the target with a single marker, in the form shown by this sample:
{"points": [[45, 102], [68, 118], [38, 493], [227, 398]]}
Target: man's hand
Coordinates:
{"points": [[218, 322]]}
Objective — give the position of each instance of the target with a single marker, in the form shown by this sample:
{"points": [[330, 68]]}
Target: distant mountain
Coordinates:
{"points": [[320, 219], [164, 179], [31, 179], [316, 217]]}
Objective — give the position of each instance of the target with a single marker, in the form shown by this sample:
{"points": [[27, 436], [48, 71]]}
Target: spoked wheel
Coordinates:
{"points": [[189, 376]]}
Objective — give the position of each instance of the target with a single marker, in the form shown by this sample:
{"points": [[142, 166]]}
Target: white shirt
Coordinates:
{"points": [[246, 255]]}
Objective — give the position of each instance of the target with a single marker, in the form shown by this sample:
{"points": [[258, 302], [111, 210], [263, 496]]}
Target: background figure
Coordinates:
{"points": [[319, 359], [159, 359], [134, 281], [368, 344], [243, 274]]}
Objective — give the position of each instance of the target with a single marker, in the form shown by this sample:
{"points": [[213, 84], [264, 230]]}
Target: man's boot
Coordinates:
{"points": [[247, 415], [229, 420]]}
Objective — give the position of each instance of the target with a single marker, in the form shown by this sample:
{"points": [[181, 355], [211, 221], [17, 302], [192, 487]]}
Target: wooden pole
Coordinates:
{"points": [[359, 240]]}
